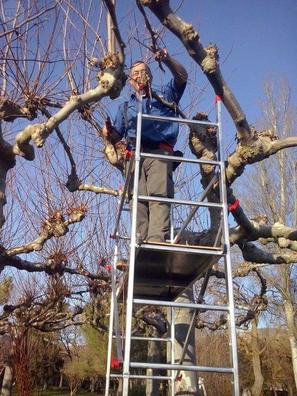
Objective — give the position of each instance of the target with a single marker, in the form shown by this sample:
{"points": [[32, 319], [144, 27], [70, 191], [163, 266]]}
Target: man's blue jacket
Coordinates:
{"points": [[153, 132]]}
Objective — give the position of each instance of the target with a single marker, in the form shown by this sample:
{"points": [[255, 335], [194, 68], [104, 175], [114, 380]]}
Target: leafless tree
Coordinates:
{"points": [[276, 199], [51, 98]]}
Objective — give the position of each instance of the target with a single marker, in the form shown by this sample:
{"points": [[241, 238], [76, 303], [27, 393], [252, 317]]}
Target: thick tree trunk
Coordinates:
{"points": [[256, 361], [290, 390], [188, 381], [154, 356], [3, 173], [93, 384], [7, 382], [61, 381], [120, 388], [289, 311]]}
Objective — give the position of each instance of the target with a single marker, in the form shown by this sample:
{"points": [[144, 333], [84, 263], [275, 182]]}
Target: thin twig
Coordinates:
{"points": [[27, 21], [154, 47]]}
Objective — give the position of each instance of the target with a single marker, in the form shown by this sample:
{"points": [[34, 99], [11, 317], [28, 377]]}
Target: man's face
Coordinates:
{"points": [[140, 77]]}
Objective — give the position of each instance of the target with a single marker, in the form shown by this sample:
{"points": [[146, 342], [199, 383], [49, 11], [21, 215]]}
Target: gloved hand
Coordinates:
{"points": [[161, 55]]}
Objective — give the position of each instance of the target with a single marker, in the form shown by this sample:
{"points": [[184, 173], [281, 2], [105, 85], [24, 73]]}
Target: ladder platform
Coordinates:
{"points": [[164, 270]]}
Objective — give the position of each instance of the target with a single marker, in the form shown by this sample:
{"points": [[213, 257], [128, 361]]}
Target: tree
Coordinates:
{"points": [[95, 353], [49, 91], [274, 197]]}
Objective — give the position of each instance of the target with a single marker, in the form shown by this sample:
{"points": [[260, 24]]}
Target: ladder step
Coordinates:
{"points": [[207, 307], [158, 339], [138, 338], [180, 159], [180, 367], [178, 120], [143, 377], [147, 198]]}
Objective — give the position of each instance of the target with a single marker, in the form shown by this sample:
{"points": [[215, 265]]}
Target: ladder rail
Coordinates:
{"points": [[113, 322], [129, 307], [172, 345], [225, 253], [227, 257], [109, 347], [123, 198]]}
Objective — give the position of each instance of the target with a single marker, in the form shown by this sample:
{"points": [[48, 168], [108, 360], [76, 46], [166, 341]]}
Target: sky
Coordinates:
{"points": [[256, 41]]}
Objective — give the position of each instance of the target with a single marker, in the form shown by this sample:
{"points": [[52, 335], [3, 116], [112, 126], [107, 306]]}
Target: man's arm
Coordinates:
{"points": [[179, 73], [110, 133], [115, 132]]}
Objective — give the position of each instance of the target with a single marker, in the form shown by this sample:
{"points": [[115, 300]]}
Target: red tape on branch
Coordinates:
{"points": [[108, 267], [234, 206], [217, 99]]}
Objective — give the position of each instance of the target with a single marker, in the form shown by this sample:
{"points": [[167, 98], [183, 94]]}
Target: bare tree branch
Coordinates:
{"points": [[261, 230], [207, 58], [111, 9], [111, 81], [153, 34], [254, 254], [265, 145], [28, 266], [55, 226], [26, 21]]}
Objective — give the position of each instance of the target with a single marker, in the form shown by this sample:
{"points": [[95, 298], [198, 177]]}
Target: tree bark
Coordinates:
{"points": [[61, 381], [289, 312], [154, 356], [4, 167], [92, 384], [7, 382], [188, 382], [120, 388], [256, 361]]}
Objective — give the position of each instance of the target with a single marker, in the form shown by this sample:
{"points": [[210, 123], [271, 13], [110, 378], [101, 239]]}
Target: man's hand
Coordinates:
{"points": [[161, 55], [179, 72]]}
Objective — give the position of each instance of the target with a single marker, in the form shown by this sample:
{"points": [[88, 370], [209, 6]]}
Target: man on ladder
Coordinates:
{"points": [[153, 221]]}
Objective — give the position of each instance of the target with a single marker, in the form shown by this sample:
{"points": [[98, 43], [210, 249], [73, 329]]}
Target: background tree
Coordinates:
{"points": [[275, 191]]}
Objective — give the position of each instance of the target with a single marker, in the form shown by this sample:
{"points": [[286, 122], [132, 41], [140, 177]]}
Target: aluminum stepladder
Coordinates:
{"points": [[136, 288]]}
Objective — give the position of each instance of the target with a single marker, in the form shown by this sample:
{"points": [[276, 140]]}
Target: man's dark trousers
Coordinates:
{"points": [[155, 179]]}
